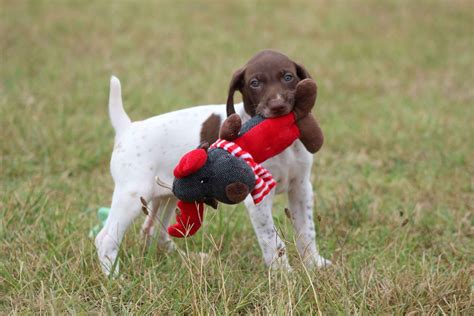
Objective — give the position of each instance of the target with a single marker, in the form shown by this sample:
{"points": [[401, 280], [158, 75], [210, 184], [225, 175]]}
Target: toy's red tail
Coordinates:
{"points": [[189, 220]]}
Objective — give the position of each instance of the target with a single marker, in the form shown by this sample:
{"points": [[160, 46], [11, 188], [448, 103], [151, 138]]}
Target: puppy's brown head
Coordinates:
{"points": [[267, 84]]}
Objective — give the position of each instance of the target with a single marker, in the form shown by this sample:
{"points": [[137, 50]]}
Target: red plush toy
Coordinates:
{"points": [[230, 169]]}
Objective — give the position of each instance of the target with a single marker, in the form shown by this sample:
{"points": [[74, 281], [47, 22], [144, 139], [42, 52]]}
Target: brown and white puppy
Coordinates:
{"points": [[267, 83], [146, 149]]}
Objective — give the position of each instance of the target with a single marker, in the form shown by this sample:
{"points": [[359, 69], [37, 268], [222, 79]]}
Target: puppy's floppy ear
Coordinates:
{"points": [[235, 84], [302, 72]]}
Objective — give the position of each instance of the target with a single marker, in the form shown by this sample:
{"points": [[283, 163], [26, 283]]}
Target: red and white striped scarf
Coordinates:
{"points": [[264, 181]]}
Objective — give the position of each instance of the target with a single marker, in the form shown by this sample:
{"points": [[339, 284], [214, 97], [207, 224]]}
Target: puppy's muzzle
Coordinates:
{"points": [[278, 106]]}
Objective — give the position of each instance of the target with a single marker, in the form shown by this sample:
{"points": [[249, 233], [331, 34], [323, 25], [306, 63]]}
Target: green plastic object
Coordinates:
{"points": [[102, 214]]}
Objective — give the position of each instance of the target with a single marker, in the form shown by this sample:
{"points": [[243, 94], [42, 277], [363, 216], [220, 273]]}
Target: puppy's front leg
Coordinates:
{"points": [[273, 248], [126, 206], [301, 211]]}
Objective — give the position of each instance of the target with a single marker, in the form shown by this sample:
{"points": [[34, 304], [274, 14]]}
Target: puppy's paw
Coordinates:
{"points": [[317, 261], [281, 264], [107, 249]]}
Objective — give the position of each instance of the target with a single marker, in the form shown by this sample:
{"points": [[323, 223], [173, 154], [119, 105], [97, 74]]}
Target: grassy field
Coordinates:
{"points": [[393, 182]]}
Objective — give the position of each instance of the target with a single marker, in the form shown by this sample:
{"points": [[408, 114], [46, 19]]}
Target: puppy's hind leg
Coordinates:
{"points": [[126, 206], [168, 208], [162, 209], [148, 227]]}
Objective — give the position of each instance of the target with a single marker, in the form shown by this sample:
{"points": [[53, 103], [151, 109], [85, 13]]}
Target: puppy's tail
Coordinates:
{"points": [[118, 116]]}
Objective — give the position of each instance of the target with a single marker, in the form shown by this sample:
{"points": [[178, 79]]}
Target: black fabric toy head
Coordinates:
{"points": [[220, 177]]}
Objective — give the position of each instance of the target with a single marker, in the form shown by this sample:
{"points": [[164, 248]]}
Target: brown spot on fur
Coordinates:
{"points": [[281, 252], [210, 129]]}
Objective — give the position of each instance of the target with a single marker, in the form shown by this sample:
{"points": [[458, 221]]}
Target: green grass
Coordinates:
{"points": [[393, 182]]}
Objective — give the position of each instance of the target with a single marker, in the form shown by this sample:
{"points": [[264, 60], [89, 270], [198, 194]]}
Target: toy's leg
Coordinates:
{"points": [[188, 220], [273, 248], [301, 212], [231, 127], [126, 206], [311, 134], [305, 97]]}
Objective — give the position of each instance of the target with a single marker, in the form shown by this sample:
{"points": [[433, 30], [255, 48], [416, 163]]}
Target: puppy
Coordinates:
{"points": [[146, 149]]}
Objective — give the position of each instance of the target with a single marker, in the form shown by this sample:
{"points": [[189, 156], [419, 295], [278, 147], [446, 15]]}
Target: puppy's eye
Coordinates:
{"points": [[288, 77], [204, 180], [254, 83]]}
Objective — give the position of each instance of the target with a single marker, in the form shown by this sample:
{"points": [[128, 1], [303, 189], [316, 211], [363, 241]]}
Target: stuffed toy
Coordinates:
{"points": [[102, 215], [229, 169]]}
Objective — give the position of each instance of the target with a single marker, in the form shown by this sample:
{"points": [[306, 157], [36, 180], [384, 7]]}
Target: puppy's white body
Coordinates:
{"points": [[150, 148]]}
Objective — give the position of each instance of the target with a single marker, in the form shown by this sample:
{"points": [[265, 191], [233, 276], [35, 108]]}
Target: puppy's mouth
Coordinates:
{"points": [[269, 112], [277, 106], [279, 112]]}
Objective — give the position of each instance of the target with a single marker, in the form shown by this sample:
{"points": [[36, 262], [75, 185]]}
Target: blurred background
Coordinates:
{"points": [[393, 182]]}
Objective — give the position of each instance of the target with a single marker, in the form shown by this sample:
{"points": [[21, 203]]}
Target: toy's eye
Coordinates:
{"points": [[288, 77], [204, 180], [254, 83]]}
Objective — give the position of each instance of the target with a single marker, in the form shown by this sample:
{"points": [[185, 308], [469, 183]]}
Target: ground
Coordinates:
{"points": [[393, 181]]}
